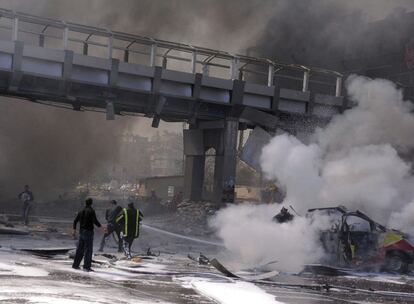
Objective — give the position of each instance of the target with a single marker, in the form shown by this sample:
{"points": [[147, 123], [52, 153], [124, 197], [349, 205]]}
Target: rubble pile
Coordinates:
{"points": [[195, 212]]}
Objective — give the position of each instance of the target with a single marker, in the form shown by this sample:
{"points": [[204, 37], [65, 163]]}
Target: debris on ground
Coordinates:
{"points": [[249, 277], [150, 253], [136, 259], [195, 212], [48, 251], [13, 231], [201, 260]]}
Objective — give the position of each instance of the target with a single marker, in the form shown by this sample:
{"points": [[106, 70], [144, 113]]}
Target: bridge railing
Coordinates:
{"points": [[100, 42]]}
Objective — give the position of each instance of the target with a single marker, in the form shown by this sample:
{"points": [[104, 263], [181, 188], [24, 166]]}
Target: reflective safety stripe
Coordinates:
{"points": [[353, 249], [119, 218], [126, 222]]}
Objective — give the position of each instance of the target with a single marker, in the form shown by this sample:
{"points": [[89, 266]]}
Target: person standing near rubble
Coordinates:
{"points": [[110, 216], [84, 250], [26, 196], [129, 220]]}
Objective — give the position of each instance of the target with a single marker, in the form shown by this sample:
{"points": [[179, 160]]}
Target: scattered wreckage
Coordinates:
{"points": [[357, 241]]}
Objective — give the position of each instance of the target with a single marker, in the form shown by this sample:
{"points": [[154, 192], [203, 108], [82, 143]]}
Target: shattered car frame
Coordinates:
{"points": [[357, 241]]}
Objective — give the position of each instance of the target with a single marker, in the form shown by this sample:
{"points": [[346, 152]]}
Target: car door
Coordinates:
{"points": [[358, 237], [329, 236]]}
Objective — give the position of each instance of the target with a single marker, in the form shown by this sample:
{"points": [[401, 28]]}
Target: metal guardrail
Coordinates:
{"points": [[235, 66]]}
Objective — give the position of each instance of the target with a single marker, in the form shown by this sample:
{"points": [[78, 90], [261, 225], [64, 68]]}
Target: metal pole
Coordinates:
{"points": [[305, 81], [270, 75], [241, 75], [206, 69], [15, 29], [234, 69], [65, 37], [110, 45], [338, 88], [85, 49], [110, 110], [41, 40], [153, 54], [193, 62], [126, 56]]}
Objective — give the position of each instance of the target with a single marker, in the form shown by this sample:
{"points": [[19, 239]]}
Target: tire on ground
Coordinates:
{"points": [[396, 262]]}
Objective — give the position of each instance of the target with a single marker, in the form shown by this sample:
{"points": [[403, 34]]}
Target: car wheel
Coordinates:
{"points": [[396, 262]]}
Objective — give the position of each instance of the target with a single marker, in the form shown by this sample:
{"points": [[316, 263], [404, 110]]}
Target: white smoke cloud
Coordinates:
{"points": [[403, 219], [354, 161], [368, 178], [294, 164], [254, 239], [381, 116]]}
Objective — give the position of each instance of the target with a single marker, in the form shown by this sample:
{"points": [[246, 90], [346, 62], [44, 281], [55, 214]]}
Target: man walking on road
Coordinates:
{"points": [[110, 216], [27, 198], [129, 219], [87, 219]]}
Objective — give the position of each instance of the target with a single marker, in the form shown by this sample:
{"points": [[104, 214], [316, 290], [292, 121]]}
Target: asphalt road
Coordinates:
{"points": [[168, 278]]}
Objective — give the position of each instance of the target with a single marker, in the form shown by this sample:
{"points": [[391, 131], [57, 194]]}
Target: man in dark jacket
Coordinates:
{"points": [[87, 219], [110, 216], [129, 220], [27, 198]]}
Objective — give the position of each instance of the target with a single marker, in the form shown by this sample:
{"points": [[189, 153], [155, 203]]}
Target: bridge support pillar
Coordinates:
{"points": [[194, 177], [225, 164], [194, 163], [222, 136]]}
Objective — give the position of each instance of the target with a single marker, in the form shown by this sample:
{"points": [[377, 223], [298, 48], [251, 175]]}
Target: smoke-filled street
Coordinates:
{"points": [[206, 151]]}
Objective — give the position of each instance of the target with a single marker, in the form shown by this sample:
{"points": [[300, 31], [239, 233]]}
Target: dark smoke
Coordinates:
{"points": [[324, 33], [51, 148]]}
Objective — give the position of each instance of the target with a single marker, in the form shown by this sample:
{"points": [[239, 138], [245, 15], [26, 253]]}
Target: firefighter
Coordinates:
{"points": [[283, 216], [27, 198], [129, 220], [87, 219], [110, 216]]}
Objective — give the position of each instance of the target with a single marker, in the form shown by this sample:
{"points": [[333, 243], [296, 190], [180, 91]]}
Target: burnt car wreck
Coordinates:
{"points": [[356, 241]]}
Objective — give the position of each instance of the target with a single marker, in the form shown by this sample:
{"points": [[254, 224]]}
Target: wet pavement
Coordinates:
{"points": [[168, 278]]}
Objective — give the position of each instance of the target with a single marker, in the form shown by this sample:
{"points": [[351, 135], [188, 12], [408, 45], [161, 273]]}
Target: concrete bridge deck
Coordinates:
{"points": [[217, 93], [81, 66]]}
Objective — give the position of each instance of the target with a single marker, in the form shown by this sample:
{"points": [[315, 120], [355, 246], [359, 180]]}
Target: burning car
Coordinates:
{"points": [[355, 240]]}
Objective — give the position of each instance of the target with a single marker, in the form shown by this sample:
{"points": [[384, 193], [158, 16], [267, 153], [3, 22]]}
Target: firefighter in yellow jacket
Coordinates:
{"points": [[129, 220]]}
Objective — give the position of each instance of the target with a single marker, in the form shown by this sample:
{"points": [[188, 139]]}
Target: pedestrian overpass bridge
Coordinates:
{"points": [[217, 93]]}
